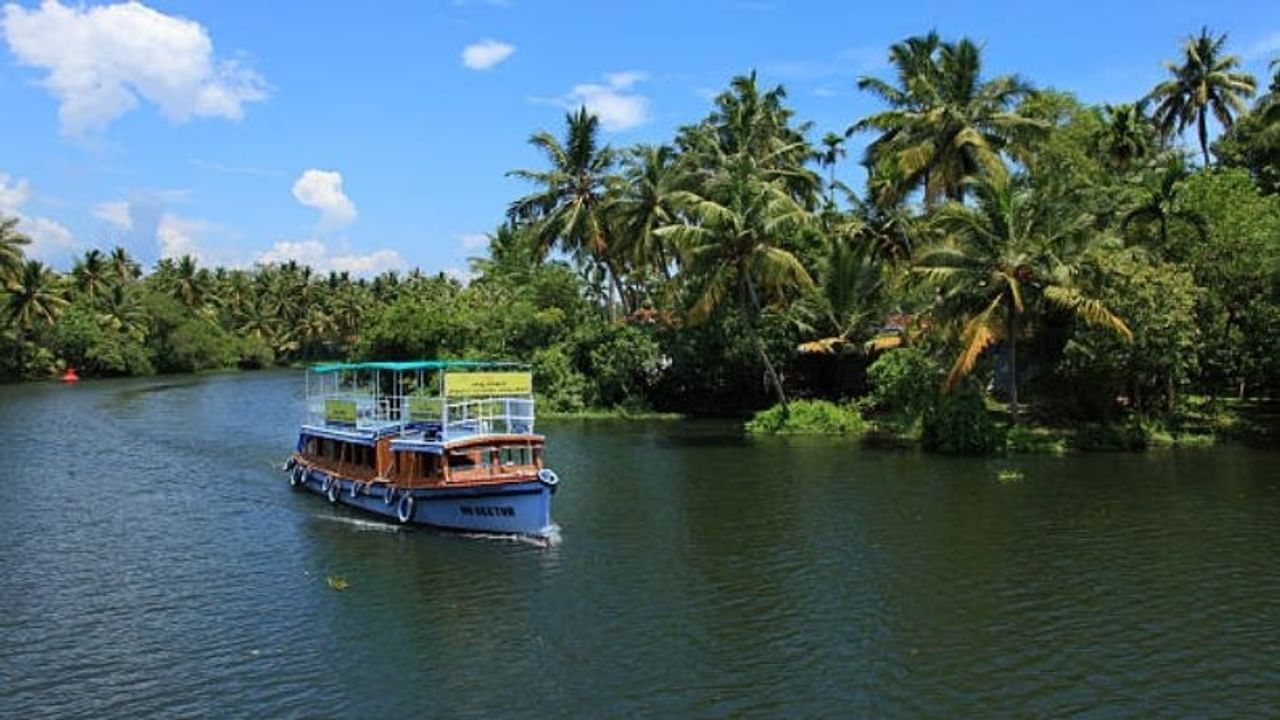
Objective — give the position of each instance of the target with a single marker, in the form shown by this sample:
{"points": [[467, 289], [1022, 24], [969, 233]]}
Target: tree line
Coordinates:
{"points": [[1010, 242]]}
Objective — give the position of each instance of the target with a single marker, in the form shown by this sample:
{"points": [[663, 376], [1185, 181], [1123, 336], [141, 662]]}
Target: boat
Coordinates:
{"points": [[70, 376], [446, 444]]}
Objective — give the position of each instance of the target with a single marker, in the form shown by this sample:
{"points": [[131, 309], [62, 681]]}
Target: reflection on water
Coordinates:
{"points": [[157, 564]]}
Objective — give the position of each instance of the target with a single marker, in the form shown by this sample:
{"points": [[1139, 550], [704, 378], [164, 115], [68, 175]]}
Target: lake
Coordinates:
{"points": [[155, 563]]}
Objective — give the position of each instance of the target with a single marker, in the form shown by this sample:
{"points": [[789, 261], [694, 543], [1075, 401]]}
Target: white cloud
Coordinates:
{"points": [[102, 60], [307, 252], [50, 240], [179, 236], [486, 53], [316, 254], [13, 196], [322, 190], [824, 92], [116, 213], [371, 264], [462, 276], [617, 108]]}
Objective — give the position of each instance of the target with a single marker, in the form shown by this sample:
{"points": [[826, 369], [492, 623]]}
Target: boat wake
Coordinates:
{"points": [[551, 539], [361, 525]]}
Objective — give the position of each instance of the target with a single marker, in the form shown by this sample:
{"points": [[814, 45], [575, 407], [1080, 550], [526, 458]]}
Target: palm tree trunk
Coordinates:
{"points": [[662, 260], [1011, 348], [1203, 130], [748, 304], [617, 286]]}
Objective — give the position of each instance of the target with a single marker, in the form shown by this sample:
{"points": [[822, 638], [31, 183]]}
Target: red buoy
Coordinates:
{"points": [[70, 376]]}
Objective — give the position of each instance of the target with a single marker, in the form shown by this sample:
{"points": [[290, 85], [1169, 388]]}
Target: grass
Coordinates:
{"points": [[808, 417]]}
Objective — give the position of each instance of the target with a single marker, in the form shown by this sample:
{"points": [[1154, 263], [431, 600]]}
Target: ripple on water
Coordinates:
{"points": [[156, 564]]}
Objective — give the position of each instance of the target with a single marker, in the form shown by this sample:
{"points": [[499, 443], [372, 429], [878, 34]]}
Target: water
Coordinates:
{"points": [[154, 563]]}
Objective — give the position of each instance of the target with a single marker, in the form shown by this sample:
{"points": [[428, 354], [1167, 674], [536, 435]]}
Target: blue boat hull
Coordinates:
{"points": [[522, 508]]}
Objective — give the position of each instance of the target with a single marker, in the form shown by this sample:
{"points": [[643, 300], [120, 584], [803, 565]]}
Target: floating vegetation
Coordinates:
{"points": [[338, 583], [1010, 476]]}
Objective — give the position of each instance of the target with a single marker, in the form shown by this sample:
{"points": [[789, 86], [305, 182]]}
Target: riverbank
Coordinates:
{"points": [[1203, 422]]}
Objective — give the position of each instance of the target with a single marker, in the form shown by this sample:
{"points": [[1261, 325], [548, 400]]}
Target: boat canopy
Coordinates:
{"points": [[432, 400], [412, 365]]}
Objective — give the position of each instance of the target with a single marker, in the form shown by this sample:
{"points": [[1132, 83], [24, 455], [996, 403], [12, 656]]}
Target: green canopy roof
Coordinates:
{"points": [[411, 365]]}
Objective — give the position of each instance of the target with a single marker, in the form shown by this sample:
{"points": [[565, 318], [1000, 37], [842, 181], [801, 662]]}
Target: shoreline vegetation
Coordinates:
{"points": [[1020, 272]]}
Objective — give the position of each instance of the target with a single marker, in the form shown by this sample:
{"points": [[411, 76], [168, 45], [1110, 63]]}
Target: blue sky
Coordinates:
{"points": [[365, 136]]}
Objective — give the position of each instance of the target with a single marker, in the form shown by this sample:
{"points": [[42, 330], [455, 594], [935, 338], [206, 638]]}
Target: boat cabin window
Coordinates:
{"points": [[522, 455], [461, 461], [341, 452], [428, 465]]}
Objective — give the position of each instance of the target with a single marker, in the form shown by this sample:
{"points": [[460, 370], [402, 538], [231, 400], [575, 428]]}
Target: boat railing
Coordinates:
{"points": [[512, 415], [362, 411]]}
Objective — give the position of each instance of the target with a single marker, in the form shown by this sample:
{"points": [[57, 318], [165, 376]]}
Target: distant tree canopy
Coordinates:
{"points": [[1011, 241]]}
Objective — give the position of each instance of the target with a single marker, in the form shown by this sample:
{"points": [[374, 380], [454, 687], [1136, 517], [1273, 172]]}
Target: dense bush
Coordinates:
{"points": [[559, 385], [904, 383], [808, 417], [959, 423]]}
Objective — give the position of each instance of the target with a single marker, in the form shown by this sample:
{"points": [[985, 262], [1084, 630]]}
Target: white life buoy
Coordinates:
{"points": [[389, 494], [548, 477], [355, 489], [332, 489], [404, 510], [298, 476]]}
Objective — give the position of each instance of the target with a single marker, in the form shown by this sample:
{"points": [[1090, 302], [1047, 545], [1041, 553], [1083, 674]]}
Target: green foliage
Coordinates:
{"points": [[1022, 439], [85, 343], [1131, 435], [559, 385], [960, 424], [1010, 234], [904, 383], [808, 417], [255, 353], [1009, 476], [625, 363], [1159, 302]]}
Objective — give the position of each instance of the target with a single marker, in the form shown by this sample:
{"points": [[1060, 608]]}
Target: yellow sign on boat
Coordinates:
{"points": [[488, 383], [340, 411]]}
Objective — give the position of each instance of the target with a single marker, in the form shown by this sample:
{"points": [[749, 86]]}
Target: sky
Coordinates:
{"points": [[372, 136]]}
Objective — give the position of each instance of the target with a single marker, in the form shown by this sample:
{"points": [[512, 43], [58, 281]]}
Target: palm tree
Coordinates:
{"points": [[1205, 82], [569, 208], [35, 298], [90, 274], [945, 123], [11, 242], [123, 267], [513, 257], [1158, 203], [849, 295], [190, 283], [749, 121], [1269, 106], [997, 264], [651, 176], [1125, 135], [832, 151], [737, 225], [121, 311]]}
